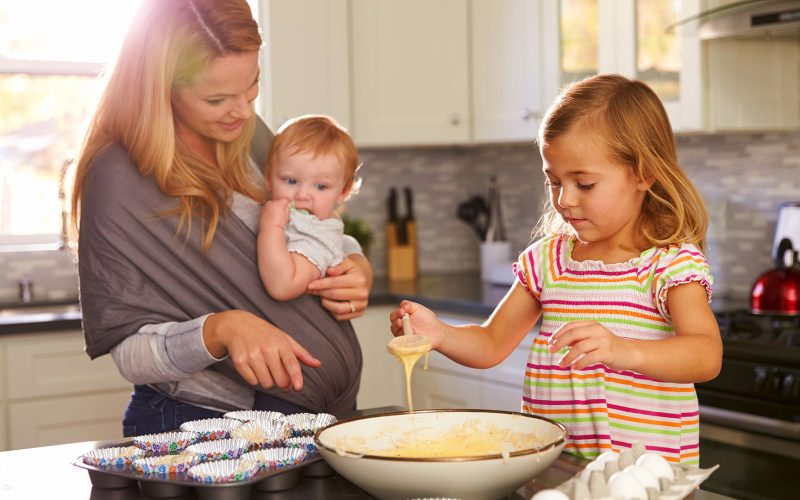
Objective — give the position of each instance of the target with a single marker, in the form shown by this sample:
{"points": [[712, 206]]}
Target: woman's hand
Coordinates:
{"points": [[345, 289], [590, 343], [261, 353], [423, 322]]}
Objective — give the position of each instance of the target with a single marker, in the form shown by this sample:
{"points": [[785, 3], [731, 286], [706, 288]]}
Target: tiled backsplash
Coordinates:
{"points": [[743, 179], [52, 274]]}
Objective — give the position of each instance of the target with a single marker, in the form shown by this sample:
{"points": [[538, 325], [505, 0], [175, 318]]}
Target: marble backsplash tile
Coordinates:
{"points": [[742, 177]]}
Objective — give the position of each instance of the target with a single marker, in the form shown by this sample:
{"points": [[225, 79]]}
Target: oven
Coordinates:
{"points": [[750, 414]]}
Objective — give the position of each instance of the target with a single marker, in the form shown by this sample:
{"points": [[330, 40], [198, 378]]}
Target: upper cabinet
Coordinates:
{"points": [[306, 65], [417, 72], [506, 56], [410, 72], [445, 72]]}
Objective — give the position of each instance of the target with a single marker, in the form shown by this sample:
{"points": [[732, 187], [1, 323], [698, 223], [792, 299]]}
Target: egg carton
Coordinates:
{"points": [[633, 473]]}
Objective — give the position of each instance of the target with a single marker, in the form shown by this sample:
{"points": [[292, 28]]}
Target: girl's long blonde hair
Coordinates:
{"points": [[631, 122], [168, 44]]}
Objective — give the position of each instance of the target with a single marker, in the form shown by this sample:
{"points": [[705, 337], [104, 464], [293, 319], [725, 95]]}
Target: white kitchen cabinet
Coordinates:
{"points": [[306, 67], [382, 378], [410, 72], [446, 72], [58, 420], [506, 57], [55, 394]]}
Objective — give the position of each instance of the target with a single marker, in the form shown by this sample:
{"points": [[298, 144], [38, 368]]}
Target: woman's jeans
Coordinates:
{"points": [[150, 412]]}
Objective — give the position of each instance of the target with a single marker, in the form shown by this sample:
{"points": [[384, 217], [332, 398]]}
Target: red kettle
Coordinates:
{"points": [[777, 291]]}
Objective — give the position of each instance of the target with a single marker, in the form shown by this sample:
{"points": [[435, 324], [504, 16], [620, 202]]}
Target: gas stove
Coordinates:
{"points": [[760, 368], [750, 414]]}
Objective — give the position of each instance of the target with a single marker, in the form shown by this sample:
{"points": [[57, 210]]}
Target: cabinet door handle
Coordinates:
{"points": [[528, 114], [455, 119]]}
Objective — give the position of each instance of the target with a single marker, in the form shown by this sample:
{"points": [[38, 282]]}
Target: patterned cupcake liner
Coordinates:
{"points": [[306, 424], [117, 458], [224, 449], [211, 429], [165, 443], [165, 466], [276, 458], [302, 442], [224, 471], [250, 415], [262, 433]]}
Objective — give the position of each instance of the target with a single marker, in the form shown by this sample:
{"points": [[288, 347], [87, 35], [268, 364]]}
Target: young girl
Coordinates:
{"points": [[310, 169], [619, 279]]}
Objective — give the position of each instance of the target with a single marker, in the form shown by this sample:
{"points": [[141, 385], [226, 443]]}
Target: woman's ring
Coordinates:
{"points": [[352, 307]]}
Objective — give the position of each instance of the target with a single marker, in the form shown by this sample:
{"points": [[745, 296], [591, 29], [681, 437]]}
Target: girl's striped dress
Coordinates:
{"points": [[606, 409]]}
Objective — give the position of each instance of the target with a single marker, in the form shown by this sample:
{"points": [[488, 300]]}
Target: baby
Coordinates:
{"points": [[311, 168]]}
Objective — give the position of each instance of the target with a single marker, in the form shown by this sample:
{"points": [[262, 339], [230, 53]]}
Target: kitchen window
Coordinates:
{"points": [[51, 56], [52, 53]]}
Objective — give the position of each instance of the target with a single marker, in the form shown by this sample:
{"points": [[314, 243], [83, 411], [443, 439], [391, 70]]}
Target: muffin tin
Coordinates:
{"points": [[165, 465]]}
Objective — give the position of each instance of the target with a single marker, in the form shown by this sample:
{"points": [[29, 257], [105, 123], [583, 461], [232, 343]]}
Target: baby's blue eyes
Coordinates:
{"points": [[319, 187]]}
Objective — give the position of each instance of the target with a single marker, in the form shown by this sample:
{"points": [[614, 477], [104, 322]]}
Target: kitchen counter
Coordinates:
{"points": [[47, 472]]}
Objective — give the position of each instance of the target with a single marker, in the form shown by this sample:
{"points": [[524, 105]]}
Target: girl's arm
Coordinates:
{"points": [[693, 355], [285, 274], [476, 346]]}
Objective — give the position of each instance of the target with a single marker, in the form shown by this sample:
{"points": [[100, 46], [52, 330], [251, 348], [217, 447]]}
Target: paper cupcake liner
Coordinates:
{"points": [[303, 442], [223, 471], [211, 429], [249, 415], [262, 433], [306, 424], [224, 449], [276, 458], [165, 466], [165, 443], [118, 458]]}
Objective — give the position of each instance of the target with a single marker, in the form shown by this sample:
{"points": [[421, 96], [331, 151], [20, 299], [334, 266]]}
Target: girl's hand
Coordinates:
{"points": [[275, 214], [423, 322], [261, 353], [590, 343], [345, 289]]}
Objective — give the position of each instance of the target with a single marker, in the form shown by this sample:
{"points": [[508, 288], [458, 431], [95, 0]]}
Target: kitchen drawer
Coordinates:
{"points": [[52, 364], [66, 420]]}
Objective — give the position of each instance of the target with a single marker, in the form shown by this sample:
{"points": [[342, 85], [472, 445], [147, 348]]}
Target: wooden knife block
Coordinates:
{"points": [[401, 259]]}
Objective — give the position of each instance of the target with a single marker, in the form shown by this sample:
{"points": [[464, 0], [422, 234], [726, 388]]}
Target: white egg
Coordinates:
{"points": [[644, 475], [550, 495], [625, 485], [593, 465], [657, 464], [608, 456]]}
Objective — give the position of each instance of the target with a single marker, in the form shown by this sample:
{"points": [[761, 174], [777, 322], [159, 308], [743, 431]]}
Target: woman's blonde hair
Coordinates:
{"points": [[318, 135], [630, 121], [168, 44]]}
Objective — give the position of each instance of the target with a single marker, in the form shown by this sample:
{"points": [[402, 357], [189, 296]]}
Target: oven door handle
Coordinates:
{"points": [[748, 422]]}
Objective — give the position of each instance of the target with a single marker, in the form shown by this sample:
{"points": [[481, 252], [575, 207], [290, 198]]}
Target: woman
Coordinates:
{"points": [[168, 276]]}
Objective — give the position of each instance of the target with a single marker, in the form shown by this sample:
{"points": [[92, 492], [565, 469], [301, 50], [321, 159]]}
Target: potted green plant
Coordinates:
{"points": [[360, 230]]}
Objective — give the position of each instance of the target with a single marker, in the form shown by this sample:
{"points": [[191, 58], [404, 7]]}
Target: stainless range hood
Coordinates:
{"points": [[749, 19]]}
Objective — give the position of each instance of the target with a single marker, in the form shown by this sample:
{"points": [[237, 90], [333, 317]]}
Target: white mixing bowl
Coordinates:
{"points": [[482, 477]]}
